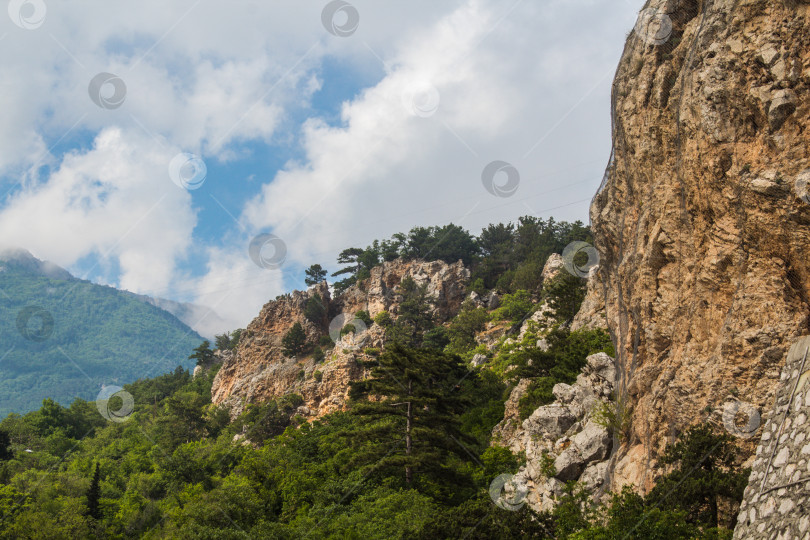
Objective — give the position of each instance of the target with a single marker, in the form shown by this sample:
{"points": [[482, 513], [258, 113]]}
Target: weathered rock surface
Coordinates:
{"points": [[258, 371], [703, 221], [563, 433], [446, 284]]}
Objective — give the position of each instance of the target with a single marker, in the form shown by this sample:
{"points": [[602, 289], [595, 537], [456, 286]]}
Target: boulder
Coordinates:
{"points": [[550, 420]]}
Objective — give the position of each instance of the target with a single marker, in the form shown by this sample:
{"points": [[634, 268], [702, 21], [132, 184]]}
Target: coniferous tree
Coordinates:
{"points": [[414, 318], [5, 443], [222, 341], [314, 310], [203, 354], [412, 426], [94, 495], [704, 474], [314, 274], [294, 341]]}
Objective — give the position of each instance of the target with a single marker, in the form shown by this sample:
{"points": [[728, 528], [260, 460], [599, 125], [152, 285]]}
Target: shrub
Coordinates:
{"points": [[514, 307], [564, 294], [547, 468], [349, 328], [384, 319], [317, 375], [364, 316], [317, 355], [326, 341], [615, 416], [464, 327]]}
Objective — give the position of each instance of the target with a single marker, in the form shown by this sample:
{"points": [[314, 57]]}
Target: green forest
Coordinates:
{"points": [[411, 457], [63, 339]]}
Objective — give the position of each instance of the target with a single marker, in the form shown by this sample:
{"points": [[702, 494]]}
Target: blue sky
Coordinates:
{"points": [[327, 141]]}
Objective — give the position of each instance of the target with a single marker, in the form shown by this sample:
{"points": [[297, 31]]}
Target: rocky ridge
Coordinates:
{"points": [[258, 371]]}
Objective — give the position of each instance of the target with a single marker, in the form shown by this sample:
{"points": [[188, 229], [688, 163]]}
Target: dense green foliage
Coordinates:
{"points": [[413, 424], [683, 505], [704, 475], [508, 257], [179, 468], [99, 335]]}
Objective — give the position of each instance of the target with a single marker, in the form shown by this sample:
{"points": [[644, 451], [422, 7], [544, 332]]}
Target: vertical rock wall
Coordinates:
{"points": [[703, 223]]}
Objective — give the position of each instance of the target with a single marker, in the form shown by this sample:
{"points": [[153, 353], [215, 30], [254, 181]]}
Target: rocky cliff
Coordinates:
{"points": [[259, 371], [703, 221]]}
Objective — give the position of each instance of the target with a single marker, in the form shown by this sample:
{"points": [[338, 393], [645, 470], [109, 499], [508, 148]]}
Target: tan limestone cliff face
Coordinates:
{"points": [[445, 283], [259, 372], [702, 224]]}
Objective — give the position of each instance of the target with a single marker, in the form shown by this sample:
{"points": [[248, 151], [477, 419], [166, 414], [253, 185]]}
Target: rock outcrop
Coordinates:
{"points": [[446, 284], [258, 371], [703, 220], [564, 440]]}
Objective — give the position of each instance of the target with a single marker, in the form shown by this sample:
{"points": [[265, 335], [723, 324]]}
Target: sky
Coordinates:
{"points": [[147, 145]]}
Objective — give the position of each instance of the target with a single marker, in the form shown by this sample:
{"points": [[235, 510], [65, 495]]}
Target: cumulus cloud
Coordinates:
{"points": [[476, 85], [115, 201], [457, 85]]}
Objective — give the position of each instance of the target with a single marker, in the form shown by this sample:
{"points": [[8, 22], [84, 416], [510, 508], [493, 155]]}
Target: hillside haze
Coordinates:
{"points": [[63, 338]]}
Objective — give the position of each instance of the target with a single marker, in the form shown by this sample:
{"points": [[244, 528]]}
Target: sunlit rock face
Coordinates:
{"points": [[703, 221], [259, 371]]}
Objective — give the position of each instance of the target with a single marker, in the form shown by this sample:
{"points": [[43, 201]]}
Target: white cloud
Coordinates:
{"points": [[115, 201], [508, 89], [525, 82]]}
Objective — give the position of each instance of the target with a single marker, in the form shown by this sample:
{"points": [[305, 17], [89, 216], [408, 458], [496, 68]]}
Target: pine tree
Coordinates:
{"points": [[203, 354], [5, 443], [314, 274], [315, 311], [704, 474], [414, 318], [412, 427], [94, 495], [294, 341]]}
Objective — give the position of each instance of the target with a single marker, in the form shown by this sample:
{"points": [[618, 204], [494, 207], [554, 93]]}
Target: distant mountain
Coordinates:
{"points": [[62, 337], [193, 315]]}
